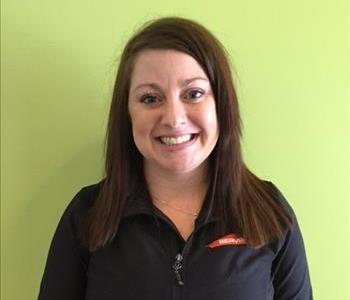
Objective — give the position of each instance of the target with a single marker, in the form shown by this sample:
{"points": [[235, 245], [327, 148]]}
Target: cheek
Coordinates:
{"points": [[209, 120], [141, 127]]}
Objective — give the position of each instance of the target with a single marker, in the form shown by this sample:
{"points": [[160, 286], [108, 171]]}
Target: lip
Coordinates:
{"points": [[175, 134], [177, 147]]}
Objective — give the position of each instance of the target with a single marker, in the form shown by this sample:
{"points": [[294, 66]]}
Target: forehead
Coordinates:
{"points": [[164, 66]]}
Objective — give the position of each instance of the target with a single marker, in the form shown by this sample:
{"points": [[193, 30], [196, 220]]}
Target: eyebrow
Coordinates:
{"points": [[157, 87]]}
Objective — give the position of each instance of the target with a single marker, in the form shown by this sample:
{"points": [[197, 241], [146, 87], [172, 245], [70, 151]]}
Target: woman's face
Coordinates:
{"points": [[172, 111]]}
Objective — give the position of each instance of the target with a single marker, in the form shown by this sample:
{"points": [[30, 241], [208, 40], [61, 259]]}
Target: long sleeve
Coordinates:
{"points": [[290, 272], [66, 266]]}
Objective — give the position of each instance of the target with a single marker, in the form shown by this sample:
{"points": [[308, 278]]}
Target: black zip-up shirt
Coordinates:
{"points": [[148, 259]]}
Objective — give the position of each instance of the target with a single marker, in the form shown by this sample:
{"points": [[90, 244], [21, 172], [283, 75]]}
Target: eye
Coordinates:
{"points": [[194, 94], [148, 99]]}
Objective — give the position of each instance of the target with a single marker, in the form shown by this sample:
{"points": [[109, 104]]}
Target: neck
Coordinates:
{"points": [[187, 190]]}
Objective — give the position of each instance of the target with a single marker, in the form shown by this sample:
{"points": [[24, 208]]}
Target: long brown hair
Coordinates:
{"points": [[245, 204]]}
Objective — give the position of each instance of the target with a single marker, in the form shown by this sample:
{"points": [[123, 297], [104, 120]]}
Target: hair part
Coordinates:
{"points": [[246, 204]]}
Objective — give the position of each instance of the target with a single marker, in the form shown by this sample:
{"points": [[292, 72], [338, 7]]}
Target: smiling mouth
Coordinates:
{"points": [[171, 141]]}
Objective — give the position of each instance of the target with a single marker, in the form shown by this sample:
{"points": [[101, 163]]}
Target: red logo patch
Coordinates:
{"points": [[230, 239]]}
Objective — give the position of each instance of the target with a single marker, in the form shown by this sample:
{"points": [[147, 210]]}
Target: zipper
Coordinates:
{"points": [[179, 259], [179, 262], [177, 266], [179, 272]]}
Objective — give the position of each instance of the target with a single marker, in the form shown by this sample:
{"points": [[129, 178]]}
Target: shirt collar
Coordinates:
{"points": [[140, 203]]}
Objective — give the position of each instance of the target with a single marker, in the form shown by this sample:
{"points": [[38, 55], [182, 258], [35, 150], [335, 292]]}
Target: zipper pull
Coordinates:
{"points": [[177, 267]]}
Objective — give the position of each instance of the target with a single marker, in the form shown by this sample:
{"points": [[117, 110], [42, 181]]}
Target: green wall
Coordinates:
{"points": [[58, 60]]}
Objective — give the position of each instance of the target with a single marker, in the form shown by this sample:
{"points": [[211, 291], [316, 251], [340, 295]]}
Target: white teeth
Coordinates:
{"points": [[174, 141]]}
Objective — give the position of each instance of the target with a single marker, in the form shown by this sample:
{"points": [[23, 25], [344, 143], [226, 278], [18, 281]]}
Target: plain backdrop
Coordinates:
{"points": [[291, 61]]}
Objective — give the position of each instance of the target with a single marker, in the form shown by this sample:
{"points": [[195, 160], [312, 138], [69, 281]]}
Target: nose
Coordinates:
{"points": [[174, 114]]}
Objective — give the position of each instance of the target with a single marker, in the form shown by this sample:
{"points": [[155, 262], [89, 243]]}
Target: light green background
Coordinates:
{"points": [[292, 60]]}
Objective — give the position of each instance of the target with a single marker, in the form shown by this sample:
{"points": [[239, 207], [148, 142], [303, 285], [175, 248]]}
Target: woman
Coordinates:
{"points": [[178, 214]]}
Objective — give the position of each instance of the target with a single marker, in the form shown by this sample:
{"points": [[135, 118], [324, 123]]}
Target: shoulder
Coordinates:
{"points": [[289, 267], [74, 214], [292, 236], [281, 199], [83, 199]]}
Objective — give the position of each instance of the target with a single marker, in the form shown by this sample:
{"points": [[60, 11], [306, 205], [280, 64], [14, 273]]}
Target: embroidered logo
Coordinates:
{"points": [[230, 239]]}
